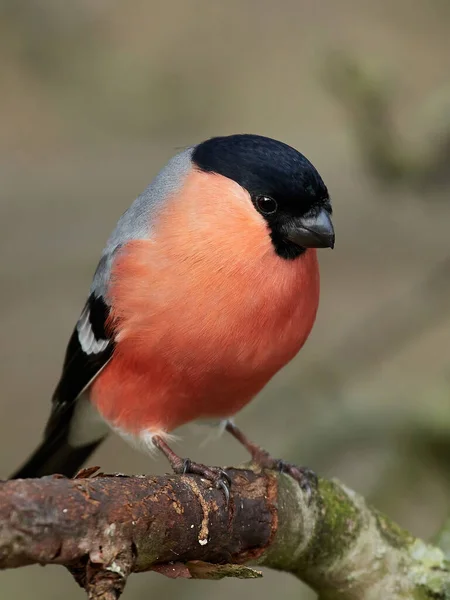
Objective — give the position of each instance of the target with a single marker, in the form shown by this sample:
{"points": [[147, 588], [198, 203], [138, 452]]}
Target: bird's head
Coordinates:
{"points": [[284, 187]]}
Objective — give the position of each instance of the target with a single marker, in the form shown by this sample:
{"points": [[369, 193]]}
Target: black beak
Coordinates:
{"points": [[312, 232]]}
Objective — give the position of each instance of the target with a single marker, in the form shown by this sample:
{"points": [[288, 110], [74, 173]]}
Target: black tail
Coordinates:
{"points": [[55, 455]]}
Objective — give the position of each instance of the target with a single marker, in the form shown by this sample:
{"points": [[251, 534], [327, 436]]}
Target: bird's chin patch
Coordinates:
{"points": [[285, 248], [143, 441]]}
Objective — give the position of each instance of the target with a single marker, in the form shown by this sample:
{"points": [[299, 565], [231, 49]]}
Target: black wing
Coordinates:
{"points": [[90, 348]]}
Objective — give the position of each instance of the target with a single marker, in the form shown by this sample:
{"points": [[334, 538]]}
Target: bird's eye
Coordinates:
{"points": [[266, 205]]}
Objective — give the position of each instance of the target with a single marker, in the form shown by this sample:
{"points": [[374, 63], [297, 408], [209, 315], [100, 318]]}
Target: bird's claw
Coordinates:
{"points": [[186, 465], [224, 484], [217, 476], [306, 478], [224, 475], [226, 491]]}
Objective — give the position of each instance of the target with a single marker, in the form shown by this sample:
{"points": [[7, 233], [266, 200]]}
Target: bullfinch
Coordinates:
{"points": [[208, 285]]}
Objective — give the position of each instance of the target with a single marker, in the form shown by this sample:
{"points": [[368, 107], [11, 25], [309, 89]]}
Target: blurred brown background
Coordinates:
{"points": [[95, 96]]}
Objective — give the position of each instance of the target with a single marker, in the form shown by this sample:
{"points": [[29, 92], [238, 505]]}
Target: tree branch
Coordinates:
{"points": [[103, 528]]}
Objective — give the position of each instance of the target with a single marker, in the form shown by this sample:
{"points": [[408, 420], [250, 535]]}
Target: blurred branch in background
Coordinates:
{"points": [[367, 98], [106, 527]]}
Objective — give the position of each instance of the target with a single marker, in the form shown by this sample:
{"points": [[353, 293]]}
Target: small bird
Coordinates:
{"points": [[207, 287]]}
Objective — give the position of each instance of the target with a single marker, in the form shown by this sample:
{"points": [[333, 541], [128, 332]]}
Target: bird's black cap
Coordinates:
{"points": [[267, 168]]}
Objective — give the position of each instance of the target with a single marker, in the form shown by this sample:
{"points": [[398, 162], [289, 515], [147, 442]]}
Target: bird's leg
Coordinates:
{"points": [[182, 466], [305, 477]]}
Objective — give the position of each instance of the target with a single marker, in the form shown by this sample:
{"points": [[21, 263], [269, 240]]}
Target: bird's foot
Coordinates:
{"points": [[184, 466], [217, 476], [305, 477]]}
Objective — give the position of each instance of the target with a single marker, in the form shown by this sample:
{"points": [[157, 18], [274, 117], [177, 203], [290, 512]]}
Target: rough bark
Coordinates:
{"points": [[103, 528]]}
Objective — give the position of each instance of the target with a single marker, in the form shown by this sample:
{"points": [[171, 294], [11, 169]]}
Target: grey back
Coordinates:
{"points": [[136, 221]]}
